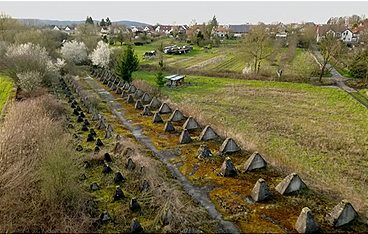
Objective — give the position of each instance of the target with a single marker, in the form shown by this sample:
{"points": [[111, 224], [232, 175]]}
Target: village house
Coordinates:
{"points": [[136, 30], [239, 30], [67, 29], [222, 31], [164, 29], [105, 31], [281, 35], [347, 35], [56, 28]]}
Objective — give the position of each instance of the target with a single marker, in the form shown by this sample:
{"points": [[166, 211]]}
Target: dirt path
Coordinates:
{"points": [[340, 80], [197, 193]]}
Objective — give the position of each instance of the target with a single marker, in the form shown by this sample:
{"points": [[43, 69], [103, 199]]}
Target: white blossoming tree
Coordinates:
{"points": [[29, 81], [31, 66], [27, 57], [101, 55], [75, 52]]}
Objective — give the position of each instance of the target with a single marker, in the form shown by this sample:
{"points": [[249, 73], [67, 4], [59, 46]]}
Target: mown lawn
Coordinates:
{"points": [[321, 133], [6, 86]]}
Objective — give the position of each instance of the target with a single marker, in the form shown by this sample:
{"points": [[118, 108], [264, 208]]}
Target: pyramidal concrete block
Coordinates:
{"points": [[255, 161], [157, 118], [94, 116], [146, 111], [260, 191], [176, 116], [169, 127], [130, 99], [155, 103], [208, 134], [138, 93], [138, 105], [306, 222], [164, 109], [191, 124], [343, 213], [124, 94], [229, 146], [185, 137], [146, 98], [290, 184], [132, 89], [228, 169], [126, 86]]}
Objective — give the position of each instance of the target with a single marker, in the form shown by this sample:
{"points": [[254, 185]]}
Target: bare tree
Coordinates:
{"points": [[259, 45], [330, 47]]}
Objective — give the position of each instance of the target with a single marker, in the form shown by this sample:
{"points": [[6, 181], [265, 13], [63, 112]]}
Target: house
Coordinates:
{"points": [[182, 29], [147, 29], [68, 29], [323, 30], [222, 31], [356, 33], [347, 36], [281, 35], [166, 29], [105, 30], [56, 28], [239, 30]]}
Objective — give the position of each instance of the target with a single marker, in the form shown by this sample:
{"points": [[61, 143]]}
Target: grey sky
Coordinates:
{"points": [[184, 12]]}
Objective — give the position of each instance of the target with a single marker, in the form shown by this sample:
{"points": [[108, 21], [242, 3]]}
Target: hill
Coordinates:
{"points": [[42, 22]]}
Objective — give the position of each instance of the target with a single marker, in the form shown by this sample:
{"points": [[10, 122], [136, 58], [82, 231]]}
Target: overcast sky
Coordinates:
{"points": [[180, 12]]}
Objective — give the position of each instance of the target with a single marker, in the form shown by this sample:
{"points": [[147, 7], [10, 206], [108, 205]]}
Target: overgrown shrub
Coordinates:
{"points": [[358, 67], [38, 179], [29, 81], [27, 57], [30, 66]]}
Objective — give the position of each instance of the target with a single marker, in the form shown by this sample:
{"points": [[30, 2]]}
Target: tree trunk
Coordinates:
{"points": [[322, 72], [255, 64], [259, 67]]}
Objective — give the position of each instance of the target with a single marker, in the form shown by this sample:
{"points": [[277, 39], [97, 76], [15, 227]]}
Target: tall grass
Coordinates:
{"points": [[39, 191]]}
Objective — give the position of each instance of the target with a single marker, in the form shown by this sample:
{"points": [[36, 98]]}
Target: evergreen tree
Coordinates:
{"points": [[108, 22], [127, 63], [89, 20], [102, 23], [214, 22], [160, 75]]}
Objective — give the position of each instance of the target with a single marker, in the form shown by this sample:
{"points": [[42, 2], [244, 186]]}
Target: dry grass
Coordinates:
{"points": [[38, 183], [141, 84]]}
